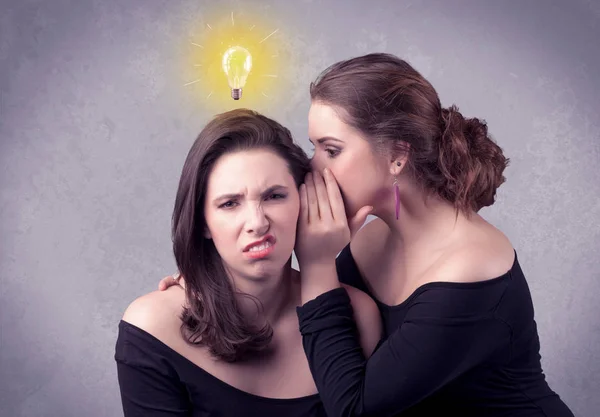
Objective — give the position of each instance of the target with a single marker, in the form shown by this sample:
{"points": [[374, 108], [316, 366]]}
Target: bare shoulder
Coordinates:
{"points": [[488, 255], [367, 317], [157, 312], [369, 240]]}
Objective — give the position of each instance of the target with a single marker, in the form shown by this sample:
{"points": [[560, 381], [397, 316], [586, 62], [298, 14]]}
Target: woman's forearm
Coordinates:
{"points": [[317, 279]]}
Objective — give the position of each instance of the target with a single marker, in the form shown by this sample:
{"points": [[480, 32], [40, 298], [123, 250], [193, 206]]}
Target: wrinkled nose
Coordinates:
{"points": [[257, 221]]}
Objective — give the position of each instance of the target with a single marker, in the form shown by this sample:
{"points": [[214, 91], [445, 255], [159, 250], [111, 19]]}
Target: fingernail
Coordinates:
{"points": [[326, 171]]}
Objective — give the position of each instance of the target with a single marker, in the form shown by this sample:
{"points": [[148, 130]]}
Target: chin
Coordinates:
{"points": [[353, 203], [263, 271], [350, 206], [351, 209], [267, 267]]}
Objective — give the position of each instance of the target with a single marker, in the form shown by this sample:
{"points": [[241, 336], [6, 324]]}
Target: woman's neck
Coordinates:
{"points": [[267, 298], [425, 221]]}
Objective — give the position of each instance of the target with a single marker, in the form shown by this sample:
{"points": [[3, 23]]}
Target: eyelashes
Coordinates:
{"points": [[233, 203], [278, 196], [331, 152]]}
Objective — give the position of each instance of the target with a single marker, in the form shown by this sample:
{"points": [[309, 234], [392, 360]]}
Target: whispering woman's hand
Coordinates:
{"points": [[171, 280], [323, 228]]}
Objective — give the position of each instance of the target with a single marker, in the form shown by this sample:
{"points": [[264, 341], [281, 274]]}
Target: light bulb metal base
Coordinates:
{"points": [[236, 93]]}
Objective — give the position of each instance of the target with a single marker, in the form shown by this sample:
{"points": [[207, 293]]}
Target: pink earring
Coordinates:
{"points": [[397, 194]]}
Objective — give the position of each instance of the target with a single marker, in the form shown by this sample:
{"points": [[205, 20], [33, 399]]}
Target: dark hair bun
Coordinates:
{"points": [[471, 162]]}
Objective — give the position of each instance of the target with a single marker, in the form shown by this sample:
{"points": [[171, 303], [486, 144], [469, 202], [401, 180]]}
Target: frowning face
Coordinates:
{"points": [[251, 210]]}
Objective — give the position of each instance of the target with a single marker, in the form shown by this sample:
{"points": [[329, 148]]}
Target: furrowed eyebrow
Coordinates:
{"points": [[227, 197], [274, 188], [265, 193]]}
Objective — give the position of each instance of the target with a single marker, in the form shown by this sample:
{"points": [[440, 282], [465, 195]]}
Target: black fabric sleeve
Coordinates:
{"points": [[439, 340], [149, 385]]}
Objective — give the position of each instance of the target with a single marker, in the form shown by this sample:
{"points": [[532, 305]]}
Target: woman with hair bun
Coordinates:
{"points": [[460, 337]]}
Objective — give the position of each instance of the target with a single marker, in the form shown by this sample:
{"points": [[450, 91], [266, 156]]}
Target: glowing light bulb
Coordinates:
{"points": [[237, 63]]}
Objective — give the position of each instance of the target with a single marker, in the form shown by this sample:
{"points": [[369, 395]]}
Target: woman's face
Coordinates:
{"points": [[251, 211], [362, 174]]}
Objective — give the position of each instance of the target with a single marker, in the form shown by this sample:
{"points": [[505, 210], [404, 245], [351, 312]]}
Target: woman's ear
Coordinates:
{"points": [[399, 159]]}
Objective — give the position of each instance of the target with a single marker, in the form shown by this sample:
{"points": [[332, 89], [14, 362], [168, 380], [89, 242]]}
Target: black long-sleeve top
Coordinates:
{"points": [[450, 349], [156, 381]]}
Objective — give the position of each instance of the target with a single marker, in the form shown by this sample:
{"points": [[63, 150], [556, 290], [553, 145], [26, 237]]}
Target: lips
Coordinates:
{"points": [[270, 239]]}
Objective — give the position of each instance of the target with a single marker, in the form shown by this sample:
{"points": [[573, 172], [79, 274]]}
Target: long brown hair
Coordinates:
{"points": [[212, 317], [397, 109]]}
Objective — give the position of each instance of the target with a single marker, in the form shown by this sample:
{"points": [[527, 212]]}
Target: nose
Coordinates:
{"points": [[257, 221]]}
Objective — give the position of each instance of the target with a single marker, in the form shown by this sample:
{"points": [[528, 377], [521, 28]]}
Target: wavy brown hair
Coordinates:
{"points": [[212, 316], [398, 110]]}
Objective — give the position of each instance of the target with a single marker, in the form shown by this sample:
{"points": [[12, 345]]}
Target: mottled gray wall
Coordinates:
{"points": [[95, 125]]}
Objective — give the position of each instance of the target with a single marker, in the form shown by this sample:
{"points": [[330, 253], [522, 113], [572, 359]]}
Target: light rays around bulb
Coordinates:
{"points": [[219, 33]]}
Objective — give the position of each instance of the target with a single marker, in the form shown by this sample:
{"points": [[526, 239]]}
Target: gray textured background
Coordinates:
{"points": [[95, 125]]}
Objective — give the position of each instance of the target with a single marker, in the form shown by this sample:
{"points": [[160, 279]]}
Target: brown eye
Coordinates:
{"points": [[332, 153], [228, 204], [277, 196]]}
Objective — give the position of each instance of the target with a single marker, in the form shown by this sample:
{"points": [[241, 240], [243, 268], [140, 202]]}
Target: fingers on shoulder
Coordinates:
{"points": [[367, 317]]}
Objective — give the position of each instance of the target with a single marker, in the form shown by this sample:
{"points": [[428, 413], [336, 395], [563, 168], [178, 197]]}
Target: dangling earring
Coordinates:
{"points": [[397, 194]]}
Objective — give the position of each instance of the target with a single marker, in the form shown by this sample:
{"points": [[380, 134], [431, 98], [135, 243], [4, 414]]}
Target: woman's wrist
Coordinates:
{"points": [[317, 278]]}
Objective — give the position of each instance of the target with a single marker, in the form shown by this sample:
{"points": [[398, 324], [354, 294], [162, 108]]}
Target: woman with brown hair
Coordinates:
{"points": [[460, 337], [229, 344]]}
